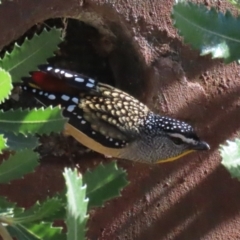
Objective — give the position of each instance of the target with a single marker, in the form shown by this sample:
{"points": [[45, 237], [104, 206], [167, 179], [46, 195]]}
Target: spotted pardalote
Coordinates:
{"points": [[110, 121]]}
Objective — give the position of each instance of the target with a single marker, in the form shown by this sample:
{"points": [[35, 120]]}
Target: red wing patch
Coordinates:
{"points": [[49, 83], [58, 80]]}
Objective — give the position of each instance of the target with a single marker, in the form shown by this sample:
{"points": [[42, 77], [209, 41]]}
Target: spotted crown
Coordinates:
{"points": [[167, 124]]}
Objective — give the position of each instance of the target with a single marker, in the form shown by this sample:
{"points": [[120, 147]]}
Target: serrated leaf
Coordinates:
{"points": [[21, 233], [5, 85], [19, 142], [3, 143], [8, 209], [45, 231], [236, 3], [40, 211], [4, 203], [5, 235], [17, 165], [41, 121], [31, 53], [61, 214], [231, 157], [76, 205], [103, 183], [209, 31]]}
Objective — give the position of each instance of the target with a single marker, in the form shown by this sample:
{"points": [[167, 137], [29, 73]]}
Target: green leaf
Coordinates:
{"points": [[6, 207], [17, 165], [45, 211], [104, 182], [45, 231], [4, 203], [236, 3], [3, 143], [41, 121], [21, 233], [61, 214], [231, 157], [32, 53], [76, 205], [19, 142], [209, 31], [5, 85]]}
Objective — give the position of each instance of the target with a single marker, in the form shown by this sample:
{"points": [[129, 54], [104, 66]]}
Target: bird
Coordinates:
{"points": [[110, 121]]}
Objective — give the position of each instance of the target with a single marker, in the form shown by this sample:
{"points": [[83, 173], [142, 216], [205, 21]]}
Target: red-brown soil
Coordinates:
{"points": [[139, 51]]}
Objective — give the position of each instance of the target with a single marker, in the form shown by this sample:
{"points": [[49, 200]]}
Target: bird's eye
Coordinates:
{"points": [[177, 140]]}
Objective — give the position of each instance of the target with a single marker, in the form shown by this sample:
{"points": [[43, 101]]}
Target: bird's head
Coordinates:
{"points": [[172, 139]]}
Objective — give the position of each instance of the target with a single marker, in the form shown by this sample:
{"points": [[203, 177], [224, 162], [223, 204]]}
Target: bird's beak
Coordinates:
{"points": [[201, 146]]}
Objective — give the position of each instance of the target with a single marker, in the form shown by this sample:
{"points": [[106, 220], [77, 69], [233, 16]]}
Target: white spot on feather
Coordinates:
{"points": [[49, 68], [91, 80], [65, 97], [68, 75], [51, 97], [75, 100], [78, 79], [90, 85], [71, 108]]}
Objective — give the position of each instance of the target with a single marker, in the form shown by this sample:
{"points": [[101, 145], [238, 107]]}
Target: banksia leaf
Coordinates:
{"points": [[231, 157], [104, 182], [76, 205], [5, 85], [3, 143], [8, 210], [31, 53], [21, 233], [207, 30], [236, 3], [45, 231], [41, 121], [17, 165], [44, 211], [19, 141], [5, 204], [28, 224]]}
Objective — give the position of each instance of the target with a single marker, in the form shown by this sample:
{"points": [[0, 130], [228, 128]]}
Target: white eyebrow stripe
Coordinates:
{"points": [[183, 138]]}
